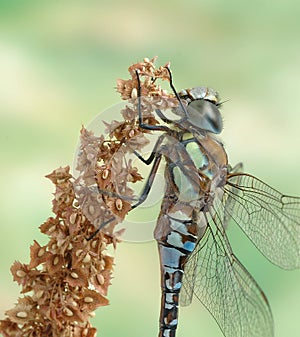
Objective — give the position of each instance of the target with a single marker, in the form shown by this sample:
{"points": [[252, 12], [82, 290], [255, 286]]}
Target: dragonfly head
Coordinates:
{"points": [[203, 109]]}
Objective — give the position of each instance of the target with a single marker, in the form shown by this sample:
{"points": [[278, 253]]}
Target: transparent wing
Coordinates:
{"points": [[224, 218], [270, 219], [223, 285], [228, 199]]}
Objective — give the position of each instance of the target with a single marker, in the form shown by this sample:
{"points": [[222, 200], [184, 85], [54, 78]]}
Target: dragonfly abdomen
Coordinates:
{"points": [[175, 245]]}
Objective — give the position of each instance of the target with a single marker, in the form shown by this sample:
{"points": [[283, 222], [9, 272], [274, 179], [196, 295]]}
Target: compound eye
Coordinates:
{"points": [[205, 115]]}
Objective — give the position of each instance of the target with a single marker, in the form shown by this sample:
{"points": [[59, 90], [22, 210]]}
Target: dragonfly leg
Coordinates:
{"points": [[96, 191], [148, 161], [141, 198], [153, 153], [162, 116], [175, 92], [99, 228], [141, 123], [149, 182], [239, 167], [158, 111], [145, 161], [156, 157]]}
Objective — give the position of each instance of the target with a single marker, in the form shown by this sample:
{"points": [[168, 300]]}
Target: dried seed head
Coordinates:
{"points": [[68, 209], [99, 198], [131, 133], [134, 93], [55, 260], [73, 303], [78, 252], [60, 181], [73, 218], [87, 258], [74, 275], [52, 229], [102, 264], [84, 332], [41, 252], [88, 299], [105, 174], [22, 314], [119, 204], [20, 273], [76, 297], [39, 294], [100, 279], [90, 156], [68, 312], [91, 209]]}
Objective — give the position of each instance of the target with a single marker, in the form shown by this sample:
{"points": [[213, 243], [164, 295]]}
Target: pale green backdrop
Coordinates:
{"points": [[58, 64]]}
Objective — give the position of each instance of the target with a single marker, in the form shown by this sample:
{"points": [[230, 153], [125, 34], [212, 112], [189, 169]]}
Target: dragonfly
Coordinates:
{"points": [[202, 194]]}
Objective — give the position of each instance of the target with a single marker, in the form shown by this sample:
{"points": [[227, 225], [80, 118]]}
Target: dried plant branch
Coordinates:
{"points": [[68, 278]]}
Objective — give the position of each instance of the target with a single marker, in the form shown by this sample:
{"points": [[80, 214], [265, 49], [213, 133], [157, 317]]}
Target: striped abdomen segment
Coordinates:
{"points": [[174, 248]]}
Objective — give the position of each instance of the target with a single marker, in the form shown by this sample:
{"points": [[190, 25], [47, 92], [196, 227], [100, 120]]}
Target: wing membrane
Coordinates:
{"points": [[270, 219], [216, 277]]}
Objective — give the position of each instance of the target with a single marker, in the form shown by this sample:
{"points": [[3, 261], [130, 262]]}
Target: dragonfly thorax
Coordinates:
{"points": [[204, 170]]}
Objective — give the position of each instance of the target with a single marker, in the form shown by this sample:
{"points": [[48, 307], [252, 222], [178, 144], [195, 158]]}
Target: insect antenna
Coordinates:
{"points": [[221, 103]]}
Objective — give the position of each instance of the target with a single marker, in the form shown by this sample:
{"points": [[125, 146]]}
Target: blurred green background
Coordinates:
{"points": [[59, 61]]}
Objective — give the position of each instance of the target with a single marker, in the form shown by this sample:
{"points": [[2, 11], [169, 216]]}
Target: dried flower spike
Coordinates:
{"points": [[59, 277]]}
